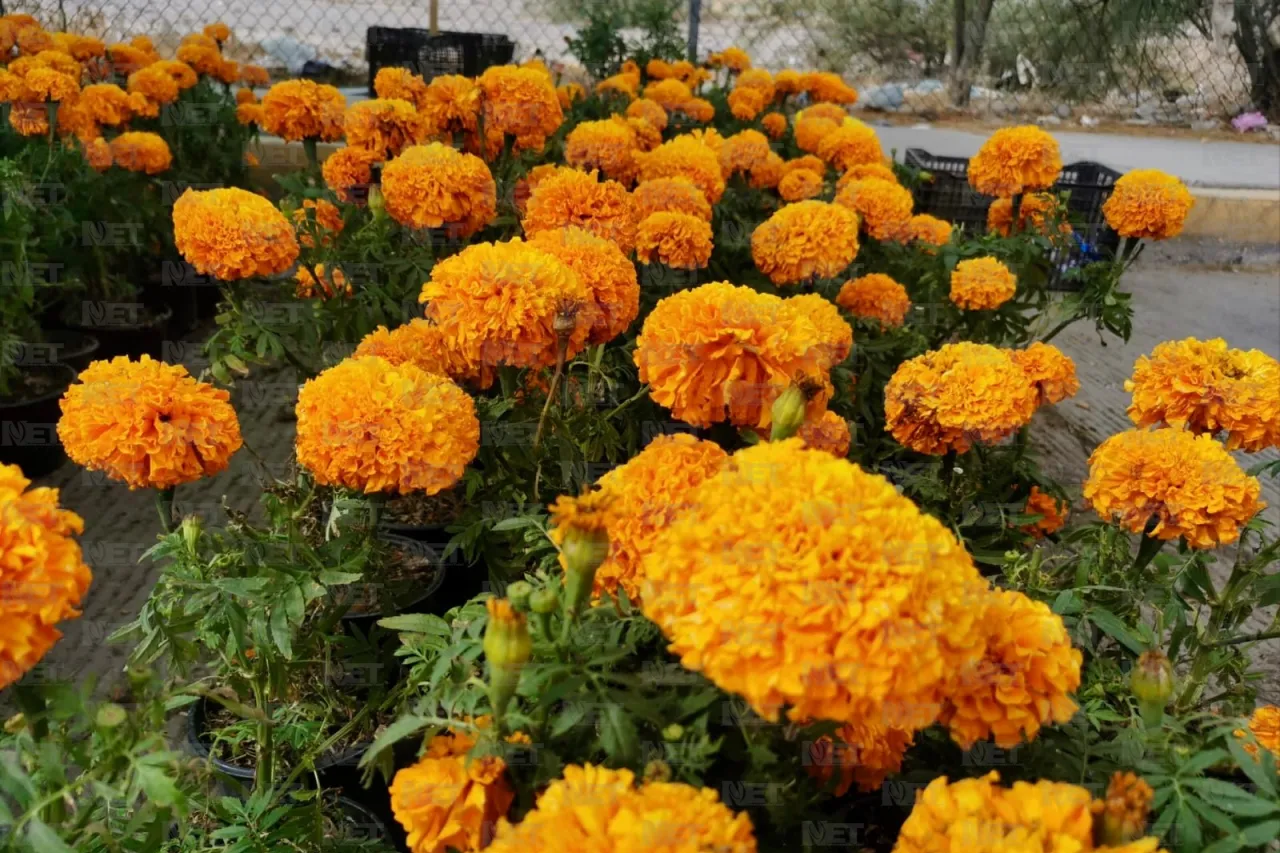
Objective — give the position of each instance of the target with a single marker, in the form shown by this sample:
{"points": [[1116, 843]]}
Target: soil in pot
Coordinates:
{"points": [[130, 329], [425, 518], [408, 578], [29, 419]]}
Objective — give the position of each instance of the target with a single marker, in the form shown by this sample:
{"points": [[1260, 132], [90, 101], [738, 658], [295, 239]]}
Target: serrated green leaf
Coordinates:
{"points": [[157, 785], [391, 735], [1188, 833], [332, 578], [1225, 845], [1212, 816], [1201, 760], [281, 634], [515, 523], [417, 623], [1251, 767], [618, 735], [1114, 627], [42, 838], [1232, 798], [571, 716]]}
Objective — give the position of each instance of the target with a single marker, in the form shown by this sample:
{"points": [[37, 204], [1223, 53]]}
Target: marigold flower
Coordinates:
{"points": [[982, 284], [12, 89], [1051, 371], [607, 273], [97, 153], [659, 69], [347, 169], [199, 40], [923, 228], [808, 239], [203, 59], [325, 215], [418, 342], [384, 126], [303, 109], [519, 102], [774, 124], [232, 234], [180, 72], [451, 104], [531, 285], [674, 195], [788, 81], [1148, 204], [1124, 812], [708, 136], [218, 31], [1187, 484], [105, 103], [75, 120], [42, 571], [669, 94], [648, 137], [598, 810], [1015, 160], [569, 94], [960, 393], [684, 157], [649, 110], [877, 297], [829, 433], [865, 171], [1035, 211], [155, 83], [1207, 387], [141, 152], [525, 186], [147, 423], [428, 186], [81, 48], [45, 84], [325, 284], [826, 87], [746, 103], [768, 173], [1264, 725], [722, 352], [55, 59], [578, 198], [834, 335], [743, 152], [369, 425], [1053, 513], [677, 240], [798, 185], [126, 59], [864, 752], [850, 144], [254, 75], [394, 82], [609, 145], [733, 58], [699, 109], [29, 119], [883, 207], [248, 114], [33, 40], [448, 801], [809, 132], [621, 84]]}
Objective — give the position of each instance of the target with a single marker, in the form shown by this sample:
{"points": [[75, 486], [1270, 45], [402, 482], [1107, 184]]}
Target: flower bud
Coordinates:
{"points": [[788, 413], [657, 771], [1152, 684], [544, 601], [15, 724], [191, 534], [377, 204], [583, 549], [109, 716], [673, 733], [518, 594], [507, 647]]}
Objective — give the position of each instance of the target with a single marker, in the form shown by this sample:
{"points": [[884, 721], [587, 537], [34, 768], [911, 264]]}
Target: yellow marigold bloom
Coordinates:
{"points": [[774, 124], [668, 94], [758, 79], [232, 234], [369, 425], [200, 40], [958, 394], [733, 58], [384, 126], [649, 110], [877, 297], [809, 132], [1051, 371], [866, 171], [1015, 160], [767, 174], [1186, 483], [448, 801], [147, 423], [743, 152], [923, 228], [325, 215], [33, 40], [826, 87], [532, 285], [788, 81], [248, 114], [806, 162], [1024, 679], [674, 195], [254, 75], [1148, 204], [56, 60], [834, 335], [678, 240], [325, 284], [578, 198], [1207, 387], [181, 73], [11, 87], [451, 104], [622, 84], [154, 83], [595, 810], [29, 119], [699, 109], [45, 84], [428, 186], [141, 152], [41, 570], [708, 136], [1035, 211], [126, 59], [1264, 725], [97, 153], [721, 352], [525, 185], [863, 752], [808, 239], [303, 109], [850, 144], [347, 169], [982, 284], [751, 589], [684, 157], [80, 48], [519, 102], [395, 83], [106, 103], [800, 184], [648, 137], [418, 342], [1053, 513], [746, 103], [883, 207], [569, 94], [829, 433], [218, 31], [608, 274], [203, 59], [659, 69], [609, 145]]}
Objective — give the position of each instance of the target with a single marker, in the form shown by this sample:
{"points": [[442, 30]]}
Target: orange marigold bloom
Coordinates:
{"points": [[569, 94], [1051, 371], [826, 87], [850, 144], [368, 425], [525, 186], [733, 58], [808, 239], [668, 94], [347, 169], [97, 153], [788, 81], [743, 152], [199, 40], [143, 43], [418, 342], [428, 186], [609, 145], [834, 335], [147, 423], [1207, 387], [42, 571], [154, 83], [226, 71], [303, 109], [607, 273], [774, 124], [699, 109], [746, 103], [830, 433], [1036, 210], [233, 234], [708, 136], [721, 352], [248, 114], [531, 285], [324, 214], [659, 69], [1126, 809], [384, 126], [621, 84], [33, 39], [180, 72], [578, 198], [1024, 679], [82, 48], [649, 110], [126, 59], [1053, 513], [141, 152], [806, 162], [1148, 204], [325, 284], [809, 132], [1264, 725], [768, 173], [451, 104], [799, 581], [106, 103], [29, 119], [246, 96], [1187, 484], [45, 84], [863, 752], [648, 137], [519, 102], [448, 801], [203, 59], [393, 82], [12, 89], [865, 171], [1015, 160], [684, 157], [877, 297], [74, 119], [675, 195], [218, 31], [799, 184], [254, 75], [923, 228], [677, 240], [758, 79], [982, 284], [960, 393], [883, 207]]}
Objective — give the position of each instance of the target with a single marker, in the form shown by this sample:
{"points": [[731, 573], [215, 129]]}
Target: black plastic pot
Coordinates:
{"points": [[463, 579], [29, 428], [200, 743], [364, 824], [425, 599], [125, 331], [72, 348]]}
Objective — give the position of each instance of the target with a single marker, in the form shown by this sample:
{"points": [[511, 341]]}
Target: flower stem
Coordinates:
{"points": [[164, 506]]}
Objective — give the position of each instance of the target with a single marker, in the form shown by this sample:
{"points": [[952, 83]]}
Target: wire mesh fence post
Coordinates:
{"points": [[695, 14]]}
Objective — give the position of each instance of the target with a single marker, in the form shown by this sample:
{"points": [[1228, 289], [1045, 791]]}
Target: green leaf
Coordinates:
{"points": [[1212, 816], [173, 703], [281, 633], [1189, 836], [159, 788], [618, 735], [417, 623], [571, 716], [1067, 603], [1201, 760], [1225, 845], [332, 578], [1232, 798], [391, 735], [1114, 627], [1250, 767], [1261, 833], [43, 839]]}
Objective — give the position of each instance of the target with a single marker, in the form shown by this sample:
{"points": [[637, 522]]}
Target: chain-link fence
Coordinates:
{"points": [[1158, 61]]}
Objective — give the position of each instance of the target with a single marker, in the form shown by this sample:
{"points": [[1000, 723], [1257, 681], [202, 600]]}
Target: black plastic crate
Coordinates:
{"points": [[1088, 185], [468, 54]]}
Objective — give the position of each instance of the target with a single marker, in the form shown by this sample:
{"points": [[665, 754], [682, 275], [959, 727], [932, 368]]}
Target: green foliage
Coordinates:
{"points": [[600, 47]]}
